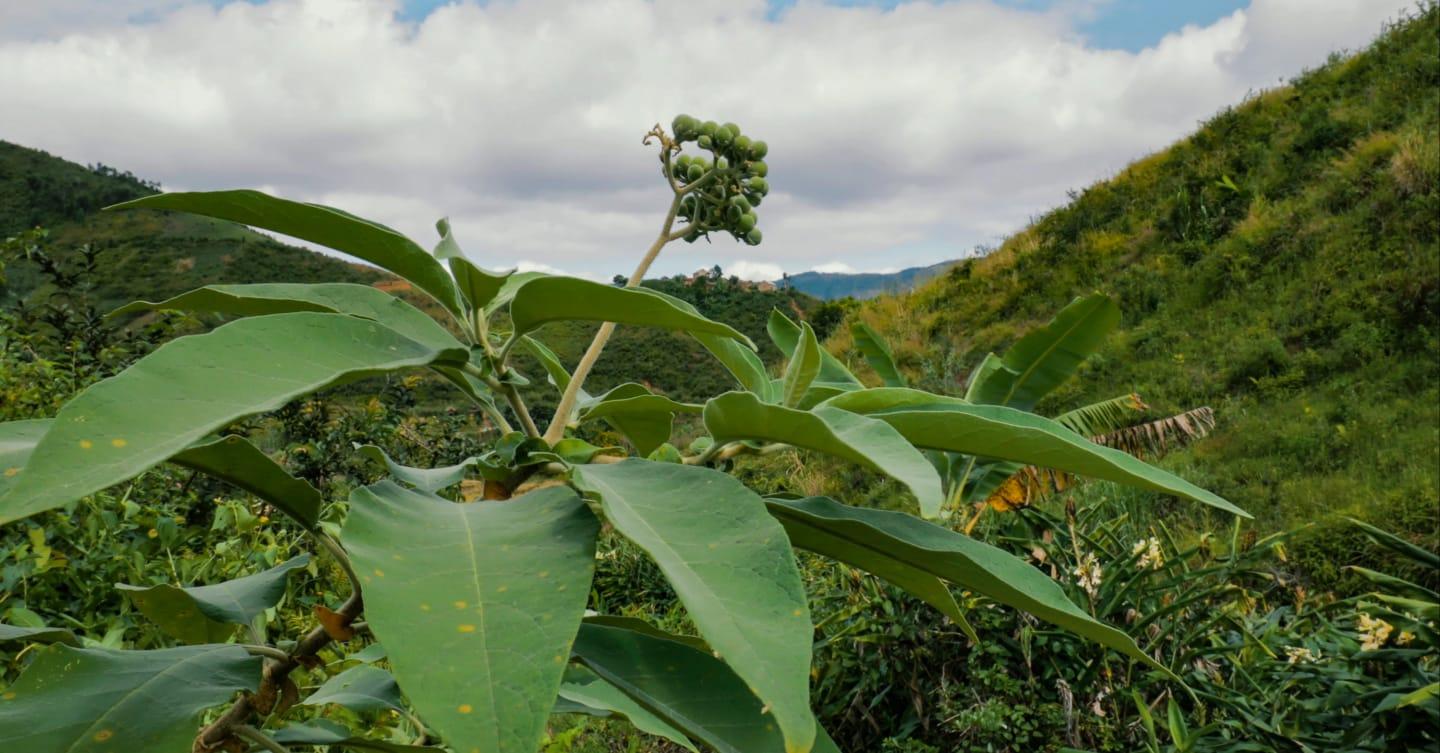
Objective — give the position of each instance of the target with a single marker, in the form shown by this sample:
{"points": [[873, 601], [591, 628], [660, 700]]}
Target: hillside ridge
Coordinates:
{"points": [[1281, 264]]}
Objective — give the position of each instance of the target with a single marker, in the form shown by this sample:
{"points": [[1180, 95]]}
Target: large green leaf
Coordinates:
{"points": [[731, 566], [425, 479], [855, 534], [192, 386], [802, 369], [923, 584], [877, 354], [231, 458], [324, 225], [871, 443], [72, 700], [17, 441], [584, 687], [15, 633], [1043, 359], [1004, 433], [509, 288], [787, 334], [260, 299], [646, 419], [477, 604], [688, 688], [478, 286], [553, 299], [334, 735], [361, 688], [236, 460], [201, 614]]}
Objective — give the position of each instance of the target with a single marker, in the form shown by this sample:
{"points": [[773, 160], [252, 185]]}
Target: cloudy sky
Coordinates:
{"points": [[900, 133]]}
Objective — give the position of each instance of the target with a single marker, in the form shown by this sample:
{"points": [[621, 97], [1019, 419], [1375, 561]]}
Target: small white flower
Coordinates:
{"points": [[1373, 632], [1089, 574], [1149, 552], [1300, 655]]}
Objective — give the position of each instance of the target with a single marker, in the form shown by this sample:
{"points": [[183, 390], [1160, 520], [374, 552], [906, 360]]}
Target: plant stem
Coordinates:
{"points": [[556, 430], [256, 737], [267, 651]]}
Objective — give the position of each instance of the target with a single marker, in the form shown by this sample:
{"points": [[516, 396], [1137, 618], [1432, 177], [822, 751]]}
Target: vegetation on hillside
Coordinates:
{"points": [[1281, 265], [159, 255]]}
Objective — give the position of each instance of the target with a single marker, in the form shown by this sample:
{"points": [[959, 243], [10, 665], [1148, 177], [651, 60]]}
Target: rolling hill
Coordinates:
{"points": [[862, 285], [1282, 265]]}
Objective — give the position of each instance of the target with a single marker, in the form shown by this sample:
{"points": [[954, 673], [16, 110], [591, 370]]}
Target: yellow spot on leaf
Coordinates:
{"points": [[460, 605], [86, 444], [9, 696], [562, 587], [152, 533], [379, 573], [466, 628], [464, 708], [103, 735], [798, 613], [117, 442], [502, 589], [544, 573], [10, 472], [424, 607]]}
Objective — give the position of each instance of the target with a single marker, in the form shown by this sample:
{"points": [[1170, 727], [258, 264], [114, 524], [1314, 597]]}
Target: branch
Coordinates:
{"points": [[556, 430]]}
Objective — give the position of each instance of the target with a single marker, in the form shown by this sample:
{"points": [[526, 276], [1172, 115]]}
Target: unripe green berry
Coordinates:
{"points": [[734, 129], [753, 237], [742, 146], [747, 222], [684, 127], [723, 136], [721, 163], [708, 128], [705, 141], [740, 201], [733, 213], [695, 172], [759, 169], [758, 150], [758, 185]]}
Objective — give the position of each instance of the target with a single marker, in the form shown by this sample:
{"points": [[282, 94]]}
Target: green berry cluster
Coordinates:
{"points": [[733, 179]]}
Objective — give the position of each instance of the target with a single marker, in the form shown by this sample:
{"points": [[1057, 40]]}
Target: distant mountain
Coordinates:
{"points": [[830, 285]]}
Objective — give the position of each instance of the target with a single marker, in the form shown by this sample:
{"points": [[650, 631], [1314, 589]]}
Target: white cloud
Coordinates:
{"points": [[835, 267], [754, 270], [896, 138]]}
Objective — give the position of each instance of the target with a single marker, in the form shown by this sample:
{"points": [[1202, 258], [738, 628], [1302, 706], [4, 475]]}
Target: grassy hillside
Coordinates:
{"points": [[1281, 265], [831, 285], [154, 254]]}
